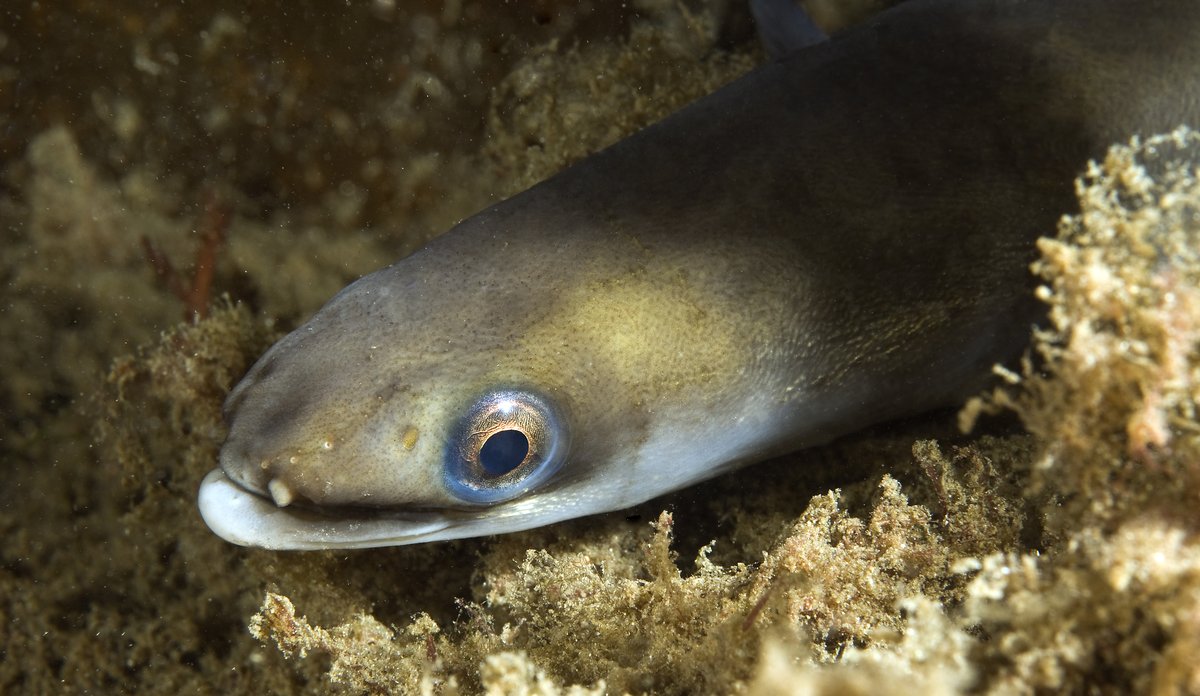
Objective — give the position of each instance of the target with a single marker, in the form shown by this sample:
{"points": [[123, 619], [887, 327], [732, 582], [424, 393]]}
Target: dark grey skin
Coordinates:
{"points": [[839, 238]]}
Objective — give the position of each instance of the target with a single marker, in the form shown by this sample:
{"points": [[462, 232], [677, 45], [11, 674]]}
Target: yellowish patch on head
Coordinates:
{"points": [[654, 334]]}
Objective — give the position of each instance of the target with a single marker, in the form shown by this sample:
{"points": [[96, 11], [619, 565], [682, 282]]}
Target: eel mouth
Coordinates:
{"points": [[246, 518]]}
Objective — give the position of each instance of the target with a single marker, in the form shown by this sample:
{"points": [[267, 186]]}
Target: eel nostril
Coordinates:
{"points": [[280, 493]]}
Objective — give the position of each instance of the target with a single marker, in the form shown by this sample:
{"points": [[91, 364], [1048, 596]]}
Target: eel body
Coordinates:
{"points": [[838, 238]]}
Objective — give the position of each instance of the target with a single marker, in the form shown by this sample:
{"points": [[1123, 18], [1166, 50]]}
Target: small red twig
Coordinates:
{"points": [[751, 617], [196, 295]]}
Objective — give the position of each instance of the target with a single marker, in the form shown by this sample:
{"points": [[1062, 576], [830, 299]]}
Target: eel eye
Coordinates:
{"points": [[508, 442]]}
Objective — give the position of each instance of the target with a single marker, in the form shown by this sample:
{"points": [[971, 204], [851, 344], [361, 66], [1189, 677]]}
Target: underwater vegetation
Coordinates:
{"points": [[1053, 548]]}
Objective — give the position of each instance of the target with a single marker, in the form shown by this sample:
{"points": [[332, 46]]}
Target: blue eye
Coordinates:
{"points": [[507, 443]]}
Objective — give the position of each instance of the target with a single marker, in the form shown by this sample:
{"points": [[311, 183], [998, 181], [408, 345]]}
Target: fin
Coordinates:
{"points": [[784, 26]]}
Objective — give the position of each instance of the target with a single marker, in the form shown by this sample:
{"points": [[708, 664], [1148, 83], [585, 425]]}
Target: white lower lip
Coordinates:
{"points": [[241, 517]]}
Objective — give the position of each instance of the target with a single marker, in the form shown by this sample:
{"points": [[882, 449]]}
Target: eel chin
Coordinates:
{"points": [[248, 518], [245, 518]]}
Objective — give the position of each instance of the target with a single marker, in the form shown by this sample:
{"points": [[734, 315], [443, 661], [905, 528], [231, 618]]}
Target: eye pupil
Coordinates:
{"points": [[503, 452]]}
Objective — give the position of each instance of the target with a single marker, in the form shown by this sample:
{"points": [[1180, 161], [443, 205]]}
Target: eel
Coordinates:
{"points": [[839, 238]]}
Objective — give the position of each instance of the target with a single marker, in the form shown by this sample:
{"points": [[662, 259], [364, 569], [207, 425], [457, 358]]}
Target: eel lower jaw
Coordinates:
{"points": [[243, 517]]}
